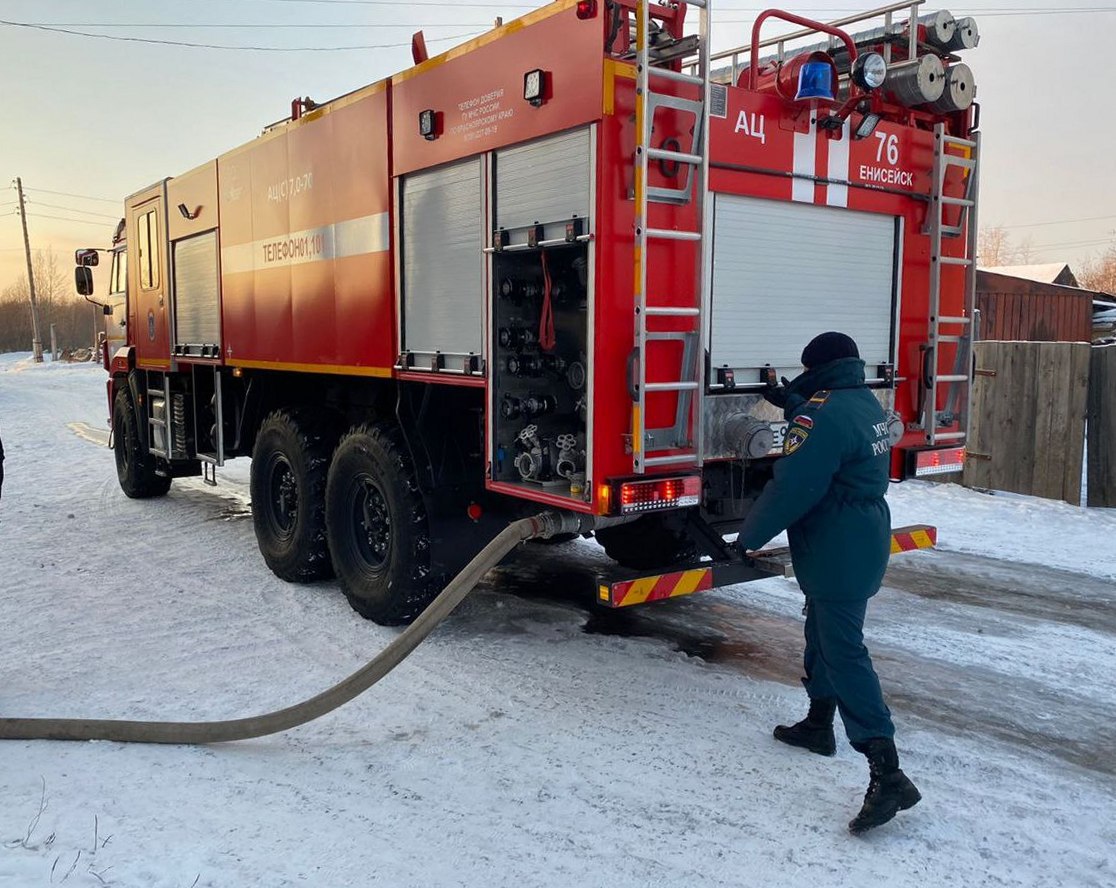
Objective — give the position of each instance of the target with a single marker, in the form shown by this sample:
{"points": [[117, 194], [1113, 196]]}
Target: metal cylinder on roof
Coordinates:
{"points": [[915, 82], [965, 36], [959, 91], [939, 27]]}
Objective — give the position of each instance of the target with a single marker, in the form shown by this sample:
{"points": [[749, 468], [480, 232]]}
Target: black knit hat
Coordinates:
{"points": [[828, 347]]}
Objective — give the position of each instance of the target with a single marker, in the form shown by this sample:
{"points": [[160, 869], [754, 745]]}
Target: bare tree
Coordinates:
{"points": [[994, 248], [1100, 274]]}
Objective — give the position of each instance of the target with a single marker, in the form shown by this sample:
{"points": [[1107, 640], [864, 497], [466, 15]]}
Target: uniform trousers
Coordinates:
{"points": [[839, 667]]}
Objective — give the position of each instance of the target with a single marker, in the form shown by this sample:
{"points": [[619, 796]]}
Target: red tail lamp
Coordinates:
{"points": [[660, 493], [586, 9], [938, 462]]}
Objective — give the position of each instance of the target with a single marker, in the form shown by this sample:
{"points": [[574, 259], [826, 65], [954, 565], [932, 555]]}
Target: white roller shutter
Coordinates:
{"points": [[545, 181], [443, 260], [197, 298], [784, 272]]}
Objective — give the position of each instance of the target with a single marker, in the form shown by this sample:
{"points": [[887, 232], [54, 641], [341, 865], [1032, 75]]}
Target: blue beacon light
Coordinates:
{"points": [[815, 81]]}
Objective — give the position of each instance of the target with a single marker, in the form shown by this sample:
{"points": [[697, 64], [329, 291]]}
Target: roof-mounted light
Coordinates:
{"points": [[869, 71], [815, 81]]}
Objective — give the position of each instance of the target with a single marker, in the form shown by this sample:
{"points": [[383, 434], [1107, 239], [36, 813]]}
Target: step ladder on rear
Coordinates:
{"points": [[951, 423], [679, 445]]}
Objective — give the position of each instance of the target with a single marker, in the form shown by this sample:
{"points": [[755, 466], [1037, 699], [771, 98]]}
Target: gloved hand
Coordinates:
{"points": [[777, 394]]}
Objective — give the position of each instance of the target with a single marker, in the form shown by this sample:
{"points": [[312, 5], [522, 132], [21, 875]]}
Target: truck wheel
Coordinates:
{"points": [[378, 531], [289, 464], [650, 543], [135, 468]]}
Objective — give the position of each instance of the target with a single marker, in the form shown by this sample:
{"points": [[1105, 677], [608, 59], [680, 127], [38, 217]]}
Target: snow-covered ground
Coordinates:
{"points": [[515, 747]]}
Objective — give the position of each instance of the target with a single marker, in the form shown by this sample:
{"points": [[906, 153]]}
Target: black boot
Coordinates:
{"points": [[815, 732], [889, 789]]}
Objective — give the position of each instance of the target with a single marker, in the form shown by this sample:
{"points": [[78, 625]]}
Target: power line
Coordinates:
{"points": [[70, 194], [1058, 222], [223, 46], [268, 25], [66, 219], [35, 203]]}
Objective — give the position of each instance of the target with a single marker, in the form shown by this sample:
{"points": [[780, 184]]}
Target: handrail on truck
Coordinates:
{"points": [[887, 12], [753, 70]]}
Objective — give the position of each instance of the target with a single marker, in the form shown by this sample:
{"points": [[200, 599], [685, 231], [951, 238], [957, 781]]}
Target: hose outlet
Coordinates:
{"points": [[750, 438]]}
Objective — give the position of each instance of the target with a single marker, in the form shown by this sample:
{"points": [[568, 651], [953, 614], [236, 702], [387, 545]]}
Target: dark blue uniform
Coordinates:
{"points": [[828, 493]]}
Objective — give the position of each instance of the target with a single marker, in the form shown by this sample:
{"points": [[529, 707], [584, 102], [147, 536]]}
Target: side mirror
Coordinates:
{"points": [[88, 258], [83, 280]]}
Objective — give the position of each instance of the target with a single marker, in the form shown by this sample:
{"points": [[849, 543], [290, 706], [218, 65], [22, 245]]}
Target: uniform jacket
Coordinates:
{"points": [[829, 485]]}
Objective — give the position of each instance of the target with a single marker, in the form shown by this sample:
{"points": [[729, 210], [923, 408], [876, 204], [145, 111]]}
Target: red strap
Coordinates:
{"points": [[547, 338]]}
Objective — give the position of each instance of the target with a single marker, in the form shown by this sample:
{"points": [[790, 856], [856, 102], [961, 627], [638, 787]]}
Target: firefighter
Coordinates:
{"points": [[828, 493]]}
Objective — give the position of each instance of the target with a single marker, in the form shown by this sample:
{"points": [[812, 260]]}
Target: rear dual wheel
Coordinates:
{"points": [[378, 530]]}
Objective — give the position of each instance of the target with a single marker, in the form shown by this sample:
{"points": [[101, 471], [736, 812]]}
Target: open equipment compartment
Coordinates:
{"points": [[540, 309]]}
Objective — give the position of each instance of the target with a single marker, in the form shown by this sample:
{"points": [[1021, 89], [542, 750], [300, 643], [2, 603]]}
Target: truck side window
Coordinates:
{"points": [[118, 278], [148, 253]]}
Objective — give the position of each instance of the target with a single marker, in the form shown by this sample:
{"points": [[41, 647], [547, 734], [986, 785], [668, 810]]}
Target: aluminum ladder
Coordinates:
{"points": [[936, 424], [681, 444]]}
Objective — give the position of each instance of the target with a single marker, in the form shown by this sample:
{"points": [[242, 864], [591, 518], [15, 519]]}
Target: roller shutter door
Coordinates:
{"points": [[443, 260], [784, 272]]}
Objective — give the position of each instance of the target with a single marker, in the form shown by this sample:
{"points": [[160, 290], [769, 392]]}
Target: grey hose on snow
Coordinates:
{"points": [[544, 525]]}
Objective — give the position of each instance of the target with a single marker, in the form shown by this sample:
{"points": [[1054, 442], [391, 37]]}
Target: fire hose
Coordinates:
{"points": [[544, 526]]}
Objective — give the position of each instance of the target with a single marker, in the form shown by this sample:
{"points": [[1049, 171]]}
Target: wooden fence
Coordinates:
{"points": [[1102, 427], [1027, 431]]}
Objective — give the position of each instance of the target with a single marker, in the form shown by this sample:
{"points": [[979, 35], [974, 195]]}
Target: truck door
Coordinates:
{"points": [[147, 270]]}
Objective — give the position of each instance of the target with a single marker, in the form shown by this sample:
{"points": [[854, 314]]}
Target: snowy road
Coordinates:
{"points": [[531, 740]]}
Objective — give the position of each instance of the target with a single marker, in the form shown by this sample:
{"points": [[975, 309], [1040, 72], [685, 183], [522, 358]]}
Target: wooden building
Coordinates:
{"points": [[1033, 304]]}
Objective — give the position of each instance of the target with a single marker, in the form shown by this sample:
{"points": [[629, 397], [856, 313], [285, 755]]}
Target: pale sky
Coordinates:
{"points": [[92, 118]]}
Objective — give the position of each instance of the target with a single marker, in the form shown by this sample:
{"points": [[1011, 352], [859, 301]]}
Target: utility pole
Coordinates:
{"points": [[36, 342]]}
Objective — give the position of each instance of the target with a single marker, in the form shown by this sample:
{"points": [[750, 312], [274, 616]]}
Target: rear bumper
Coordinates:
{"points": [[625, 588]]}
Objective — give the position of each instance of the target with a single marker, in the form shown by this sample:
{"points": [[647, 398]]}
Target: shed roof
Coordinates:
{"points": [[1048, 273]]}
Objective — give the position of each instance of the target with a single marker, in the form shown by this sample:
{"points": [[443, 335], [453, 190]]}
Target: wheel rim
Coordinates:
{"points": [[282, 499], [371, 521]]}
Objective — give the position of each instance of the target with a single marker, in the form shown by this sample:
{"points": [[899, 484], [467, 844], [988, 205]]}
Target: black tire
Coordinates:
{"points": [[135, 467], [650, 543], [378, 530], [290, 462]]}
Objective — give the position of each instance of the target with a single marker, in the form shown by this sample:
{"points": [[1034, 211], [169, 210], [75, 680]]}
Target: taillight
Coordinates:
{"points": [[938, 462], [661, 493], [586, 9]]}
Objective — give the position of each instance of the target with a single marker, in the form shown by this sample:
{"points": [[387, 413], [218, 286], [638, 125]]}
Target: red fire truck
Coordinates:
{"points": [[553, 267]]}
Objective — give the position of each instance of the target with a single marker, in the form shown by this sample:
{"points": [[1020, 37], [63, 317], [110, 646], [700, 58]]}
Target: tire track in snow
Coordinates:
{"points": [[965, 699]]}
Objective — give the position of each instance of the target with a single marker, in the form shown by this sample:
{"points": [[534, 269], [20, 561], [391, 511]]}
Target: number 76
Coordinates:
{"points": [[892, 144]]}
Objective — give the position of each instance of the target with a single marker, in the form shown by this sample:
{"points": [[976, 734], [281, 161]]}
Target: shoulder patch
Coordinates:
{"points": [[796, 437], [820, 397], [804, 421]]}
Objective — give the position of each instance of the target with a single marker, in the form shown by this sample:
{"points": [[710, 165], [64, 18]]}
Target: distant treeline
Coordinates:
{"points": [[72, 319], [72, 316]]}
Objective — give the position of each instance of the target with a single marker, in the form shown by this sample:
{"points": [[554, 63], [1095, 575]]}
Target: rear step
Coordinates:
{"points": [[623, 588]]}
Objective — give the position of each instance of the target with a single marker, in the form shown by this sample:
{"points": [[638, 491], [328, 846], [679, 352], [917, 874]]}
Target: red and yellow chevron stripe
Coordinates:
{"points": [[656, 588], [910, 538]]}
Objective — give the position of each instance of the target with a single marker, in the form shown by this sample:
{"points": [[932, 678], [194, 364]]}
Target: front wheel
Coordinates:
{"points": [[135, 467], [378, 530]]}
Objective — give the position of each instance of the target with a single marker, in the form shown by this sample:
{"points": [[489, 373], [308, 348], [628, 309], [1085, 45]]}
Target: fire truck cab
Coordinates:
{"points": [[555, 267]]}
